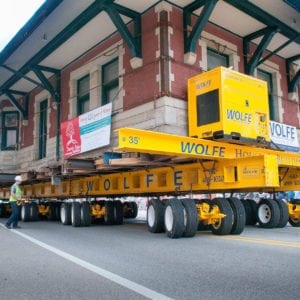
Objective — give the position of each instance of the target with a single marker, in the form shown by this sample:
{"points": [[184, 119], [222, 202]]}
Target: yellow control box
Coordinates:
{"points": [[228, 105]]}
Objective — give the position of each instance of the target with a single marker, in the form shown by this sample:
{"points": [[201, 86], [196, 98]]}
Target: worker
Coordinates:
{"points": [[14, 199]]}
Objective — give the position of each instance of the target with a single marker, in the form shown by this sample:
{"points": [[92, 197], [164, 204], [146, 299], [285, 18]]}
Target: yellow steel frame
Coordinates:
{"points": [[209, 214], [294, 211], [97, 211], [43, 209], [138, 140], [219, 167]]}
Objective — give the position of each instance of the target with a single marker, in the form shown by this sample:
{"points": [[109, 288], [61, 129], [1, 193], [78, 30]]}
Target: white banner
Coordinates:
{"points": [[87, 132], [284, 136]]}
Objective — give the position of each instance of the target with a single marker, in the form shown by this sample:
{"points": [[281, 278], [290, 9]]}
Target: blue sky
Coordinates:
{"points": [[14, 14]]}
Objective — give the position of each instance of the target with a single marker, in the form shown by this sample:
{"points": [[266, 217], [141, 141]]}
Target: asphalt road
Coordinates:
{"points": [[47, 260]]}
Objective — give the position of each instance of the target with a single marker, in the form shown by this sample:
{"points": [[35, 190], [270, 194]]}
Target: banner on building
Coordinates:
{"points": [[284, 136], [87, 132]]}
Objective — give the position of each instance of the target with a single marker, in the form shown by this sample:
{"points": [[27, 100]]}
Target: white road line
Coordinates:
{"points": [[148, 293]]}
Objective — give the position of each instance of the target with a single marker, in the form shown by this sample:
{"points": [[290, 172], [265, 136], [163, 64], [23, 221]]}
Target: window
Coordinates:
{"points": [[10, 131], [216, 59], [83, 95], [43, 129], [266, 76], [110, 81]]}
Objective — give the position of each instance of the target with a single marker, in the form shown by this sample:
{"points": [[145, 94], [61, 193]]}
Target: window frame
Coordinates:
{"points": [[6, 128], [43, 122], [107, 87], [217, 53], [270, 91], [81, 100]]}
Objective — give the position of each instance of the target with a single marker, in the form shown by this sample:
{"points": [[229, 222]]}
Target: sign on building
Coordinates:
{"points": [[284, 136], [87, 132]]}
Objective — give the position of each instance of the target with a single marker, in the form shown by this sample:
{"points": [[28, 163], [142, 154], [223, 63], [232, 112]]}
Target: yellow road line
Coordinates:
{"points": [[263, 241]]}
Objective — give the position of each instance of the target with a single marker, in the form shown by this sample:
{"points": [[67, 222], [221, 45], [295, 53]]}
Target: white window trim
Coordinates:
{"points": [[44, 95], [93, 68], [273, 69], [209, 40]]}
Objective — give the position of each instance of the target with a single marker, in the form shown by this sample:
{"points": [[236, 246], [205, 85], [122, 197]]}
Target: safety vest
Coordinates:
{"points": [[18, 193]]}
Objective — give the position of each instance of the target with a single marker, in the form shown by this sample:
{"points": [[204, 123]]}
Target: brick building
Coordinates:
{"points": [[75, 56]]}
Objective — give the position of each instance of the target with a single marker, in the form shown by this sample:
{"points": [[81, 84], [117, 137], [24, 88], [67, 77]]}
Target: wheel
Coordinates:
{"points": [[118, 212], [53, 212], [65, 213], [85, 214], [34, 213], [174, 218], [284, 213], [239, 215], [109, 213], [25, 212], [190, 217], [224, 225], [126, 209], [155, 216], [76, 214], [2, 210], [250, 207], [134, 210], [268, 213]]}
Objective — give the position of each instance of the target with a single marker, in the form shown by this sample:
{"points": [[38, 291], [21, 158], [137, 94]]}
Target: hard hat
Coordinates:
{"points": [[18, 178]]}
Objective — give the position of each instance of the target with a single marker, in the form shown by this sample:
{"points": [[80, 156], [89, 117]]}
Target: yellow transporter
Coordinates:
{"points": [[225, 104]]}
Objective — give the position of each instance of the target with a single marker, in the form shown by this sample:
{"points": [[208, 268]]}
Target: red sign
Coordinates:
{"points": [[71, 140]]}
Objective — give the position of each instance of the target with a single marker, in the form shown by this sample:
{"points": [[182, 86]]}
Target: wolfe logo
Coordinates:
{"points": [[237, 115], [203, 84]]}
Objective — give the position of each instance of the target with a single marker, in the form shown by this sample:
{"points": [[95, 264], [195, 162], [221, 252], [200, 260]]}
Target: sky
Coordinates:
{"points": [[14, 14]]}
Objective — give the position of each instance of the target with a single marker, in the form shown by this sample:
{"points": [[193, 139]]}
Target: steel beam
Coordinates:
{"points": [[254, 60], [190, 40], [137, 140]]}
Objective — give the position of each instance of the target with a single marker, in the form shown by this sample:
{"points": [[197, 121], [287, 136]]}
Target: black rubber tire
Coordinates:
{"points": [[155, 216], [118, 212], [34, 212], [284, 213], [76, 214], [268, 213], [127, 209], [2, 210], [134, 210], [190, 217], [65, 213], [85, 214], [225, 225], [250, 211], [239, 215], [109, 215], [25, 212], [52, 211], [174, 218]]}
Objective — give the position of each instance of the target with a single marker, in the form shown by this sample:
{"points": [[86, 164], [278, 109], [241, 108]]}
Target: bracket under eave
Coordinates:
{"points": [[254, 61], [133, 41], [38, 71], [22, 109], [191, 38], [292, 82]]}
